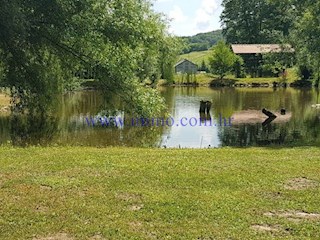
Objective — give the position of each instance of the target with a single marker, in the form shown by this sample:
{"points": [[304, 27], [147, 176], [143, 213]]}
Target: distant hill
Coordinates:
{"points": [[202, 41]]}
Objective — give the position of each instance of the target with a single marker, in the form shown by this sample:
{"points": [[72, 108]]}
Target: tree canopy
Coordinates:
{"points": [[256, 21], [270, 21], [43, 43], [222, 59]]}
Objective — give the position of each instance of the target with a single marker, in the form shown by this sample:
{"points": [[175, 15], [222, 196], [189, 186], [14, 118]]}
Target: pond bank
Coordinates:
{"points": [[243, 84], [120, 193]]}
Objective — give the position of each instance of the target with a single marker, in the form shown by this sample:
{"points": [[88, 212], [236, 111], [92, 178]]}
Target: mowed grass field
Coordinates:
{"points": [[127, 193], [197, 57]]}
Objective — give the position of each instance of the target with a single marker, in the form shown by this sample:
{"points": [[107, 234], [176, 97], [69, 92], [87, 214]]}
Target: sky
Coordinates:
{"points": [[189, 17]]}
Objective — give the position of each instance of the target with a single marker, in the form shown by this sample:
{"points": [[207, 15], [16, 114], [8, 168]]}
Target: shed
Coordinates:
{"points": [[186, 66]]}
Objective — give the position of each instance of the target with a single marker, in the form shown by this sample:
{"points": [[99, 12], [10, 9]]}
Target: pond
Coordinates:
{"points": [[235, 119]]}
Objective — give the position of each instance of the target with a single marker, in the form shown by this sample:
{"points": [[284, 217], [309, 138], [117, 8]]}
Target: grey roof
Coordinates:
{"points": [[261, 48], [184, 60]]}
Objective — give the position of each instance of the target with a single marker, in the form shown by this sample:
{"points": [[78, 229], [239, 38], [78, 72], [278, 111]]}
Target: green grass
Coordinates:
{"points": [[196, 57], [207, 78], [124, 193]]}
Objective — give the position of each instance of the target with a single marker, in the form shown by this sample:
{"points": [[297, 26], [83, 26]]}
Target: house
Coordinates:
{"points": [[186, 66]]}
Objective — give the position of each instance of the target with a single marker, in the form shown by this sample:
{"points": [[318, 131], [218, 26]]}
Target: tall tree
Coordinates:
{"points": [[307, 39], [256, 21], [222, 59], [43, 42]]}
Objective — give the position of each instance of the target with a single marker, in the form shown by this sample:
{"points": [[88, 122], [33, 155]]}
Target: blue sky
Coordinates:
{"points": [[189, 17]]}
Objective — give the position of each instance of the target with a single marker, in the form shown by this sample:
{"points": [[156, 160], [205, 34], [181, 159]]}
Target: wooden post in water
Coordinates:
{"points": [[208, 106], [203, 106], [268, 113]]}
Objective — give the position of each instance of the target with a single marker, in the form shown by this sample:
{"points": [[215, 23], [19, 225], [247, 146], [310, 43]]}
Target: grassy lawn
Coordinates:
{"points": [[207, 78], [196, 57], [124, 193]]}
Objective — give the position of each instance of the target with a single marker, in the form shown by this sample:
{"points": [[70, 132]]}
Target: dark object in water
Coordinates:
{"points": [[205, 106], [268, 121], [209, 104], [275, 84], [283, 111], [270, 118], [268, 113], [204, 117]]}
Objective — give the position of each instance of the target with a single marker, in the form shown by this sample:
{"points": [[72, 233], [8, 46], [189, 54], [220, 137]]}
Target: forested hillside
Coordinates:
{"points": [[202, 41]]}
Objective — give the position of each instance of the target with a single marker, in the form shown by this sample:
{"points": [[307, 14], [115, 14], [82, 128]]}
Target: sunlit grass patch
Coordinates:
{"points": [[128, 193]]}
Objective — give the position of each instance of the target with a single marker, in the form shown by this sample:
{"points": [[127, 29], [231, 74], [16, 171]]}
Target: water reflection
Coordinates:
{"points": [[300, 125], [235, 119]]}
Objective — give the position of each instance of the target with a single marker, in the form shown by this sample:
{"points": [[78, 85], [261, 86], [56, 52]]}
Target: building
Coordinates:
{"points": [[261, 48], [252, 55], [186, 66]]}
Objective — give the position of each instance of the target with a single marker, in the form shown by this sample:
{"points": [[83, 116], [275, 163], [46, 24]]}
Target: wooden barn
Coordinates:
{"points": [[252, 54], [186, 66], [242, 49]]}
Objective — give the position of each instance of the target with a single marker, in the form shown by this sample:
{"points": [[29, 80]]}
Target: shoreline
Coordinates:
{"points": [[231, 84]]}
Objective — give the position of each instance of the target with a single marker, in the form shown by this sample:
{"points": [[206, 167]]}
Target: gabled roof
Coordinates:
{"points": [[261, 48], [184, 60]]}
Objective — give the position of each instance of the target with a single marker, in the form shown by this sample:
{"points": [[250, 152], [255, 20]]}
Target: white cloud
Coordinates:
{"points": [[202, 20], [177, 15], [190, 17], [210, 6], [204, 15]]}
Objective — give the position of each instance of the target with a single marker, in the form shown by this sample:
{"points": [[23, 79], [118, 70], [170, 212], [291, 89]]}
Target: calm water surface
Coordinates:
{"points": [[235, 119]]}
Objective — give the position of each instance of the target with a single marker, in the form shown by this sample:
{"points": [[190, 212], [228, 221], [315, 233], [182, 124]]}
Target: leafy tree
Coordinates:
{"points": [[222, 59], [169, 51], [275, 63], [204, 67], [307, 40], [44, 42], [238, 67], [256, 21]]}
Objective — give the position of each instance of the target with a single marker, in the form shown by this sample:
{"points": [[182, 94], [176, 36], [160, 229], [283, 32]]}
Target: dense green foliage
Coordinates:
{"points": [[222, 60], [307, 40], [44, 43], [256, 21], [201, 41], [270, 21]]}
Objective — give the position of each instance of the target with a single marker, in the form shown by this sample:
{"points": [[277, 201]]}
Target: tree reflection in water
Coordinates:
{"points": [[60, 120]]}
